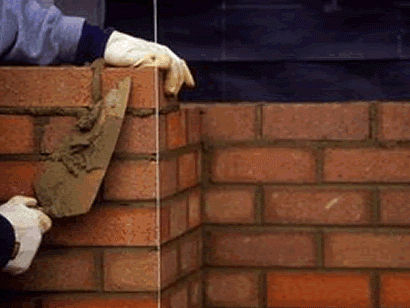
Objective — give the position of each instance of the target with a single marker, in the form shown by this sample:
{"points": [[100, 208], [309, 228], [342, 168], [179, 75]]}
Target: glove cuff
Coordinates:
{"points": [[8, 240], [92, 43]]}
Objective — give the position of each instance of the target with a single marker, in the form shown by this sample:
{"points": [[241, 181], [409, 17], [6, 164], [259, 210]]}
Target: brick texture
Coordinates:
{"points": [[232, 289], [310, 206], [367, 250], [316, 121], [395, 288], [230, 205], [55, 132], [367, 165], [263, 164], [394, 121], [106, 226], [194, 209], [169, 264], [261, 249], [229, 123], [318, 290], [191, 252], [99, 301], [188, 170], [394, 206], [194, 125], [17, 134], [176, 129]]}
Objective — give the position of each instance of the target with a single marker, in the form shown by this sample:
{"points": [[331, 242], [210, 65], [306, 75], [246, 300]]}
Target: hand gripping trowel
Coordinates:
{"points": [[72, 175]]}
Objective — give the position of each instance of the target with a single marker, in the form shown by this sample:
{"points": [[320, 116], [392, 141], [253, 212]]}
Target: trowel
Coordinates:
{"points": [[72, 175]]}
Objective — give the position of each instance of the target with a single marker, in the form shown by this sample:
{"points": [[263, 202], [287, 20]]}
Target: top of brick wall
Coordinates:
{"points": [[69, 86]]}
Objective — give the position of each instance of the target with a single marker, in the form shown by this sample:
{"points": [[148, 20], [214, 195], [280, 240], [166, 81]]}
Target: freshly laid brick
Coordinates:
{"points": [[57, 270], [169, 264], [17, 177], [263, 164], [367, 165], [55, 132], [135, 270], [45, 86], [191, 252], [344, 290], [99, 301], [147, 90], [188, 174], [107, 226], [232, 289], [228, 123], [230, 205], [176, 129], [316, 121], [395, 206], [311, 206], [236, 248], [367, 250], [17, 134], [139, 135], [394, 290], [194, 209], [394, 121]]}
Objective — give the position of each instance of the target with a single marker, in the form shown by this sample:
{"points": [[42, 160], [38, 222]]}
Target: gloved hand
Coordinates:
{"points": [[29, 225], [125, 50]]}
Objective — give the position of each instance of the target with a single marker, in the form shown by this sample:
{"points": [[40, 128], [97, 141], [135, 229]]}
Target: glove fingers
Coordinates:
{"points": [[174, 79], [27, 201], [45, 222], [189, 80]]}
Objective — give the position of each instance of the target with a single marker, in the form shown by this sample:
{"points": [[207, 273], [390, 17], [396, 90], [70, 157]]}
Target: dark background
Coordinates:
{"points": [[281, 50]]}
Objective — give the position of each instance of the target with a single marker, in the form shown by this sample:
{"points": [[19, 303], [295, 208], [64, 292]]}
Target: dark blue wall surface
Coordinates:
{"points": [[274, 50]]}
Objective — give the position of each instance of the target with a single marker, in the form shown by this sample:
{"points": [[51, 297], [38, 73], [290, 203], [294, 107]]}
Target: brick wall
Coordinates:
{"points": [[280, 205]]}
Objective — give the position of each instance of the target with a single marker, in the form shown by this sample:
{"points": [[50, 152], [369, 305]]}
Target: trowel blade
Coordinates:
{"points": [[63, 193]]}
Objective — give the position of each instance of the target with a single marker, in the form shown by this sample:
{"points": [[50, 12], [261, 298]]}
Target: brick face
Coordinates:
{"points": [[228, 123], [17, 134], [395, 288], [310, 206], [55, 132], [107, 226], [394, 121], [394, 206], [176, 129], [367, 250], [188, 171], [99, 301], [232, 289], [318, 290], [367, 165], [263, 164], [230, 205], [261, 249], [316, 121]]}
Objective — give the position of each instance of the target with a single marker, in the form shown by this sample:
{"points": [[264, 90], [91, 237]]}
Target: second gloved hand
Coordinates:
{"points": [[125, 50]]}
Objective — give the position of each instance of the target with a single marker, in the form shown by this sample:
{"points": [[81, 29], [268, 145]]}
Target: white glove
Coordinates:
{"points": [[29, 225], [125, 50]]}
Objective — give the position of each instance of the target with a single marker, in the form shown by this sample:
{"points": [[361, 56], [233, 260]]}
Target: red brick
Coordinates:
{"points": [[394, 290], [188, 170], [191, 252], [236, 248], [232, 288], [316, 121], [107, 226], [367, 250], [230, 205], [394, 206], [45, 86], [99, 301], [394, 121], [311, 206], [318, 290], [17, 177], [128, 180], [169, 264], [176, 130], [228, 123], [165, 223], [139, 135], [194, 126], [194, 209], [57, 270], [196, 293], [146, 88], [179, 298], [17, 134], [55, 132], [367, 165], [168, 177], [263, 164], [135, 270], [178, 216]]}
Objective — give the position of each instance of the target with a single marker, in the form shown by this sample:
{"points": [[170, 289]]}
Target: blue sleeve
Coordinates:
{"points": [[30, 33], [7, 240]]}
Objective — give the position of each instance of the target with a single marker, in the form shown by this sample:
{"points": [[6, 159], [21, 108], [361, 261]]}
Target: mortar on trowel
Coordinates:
{"points": [[72, 175]]}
